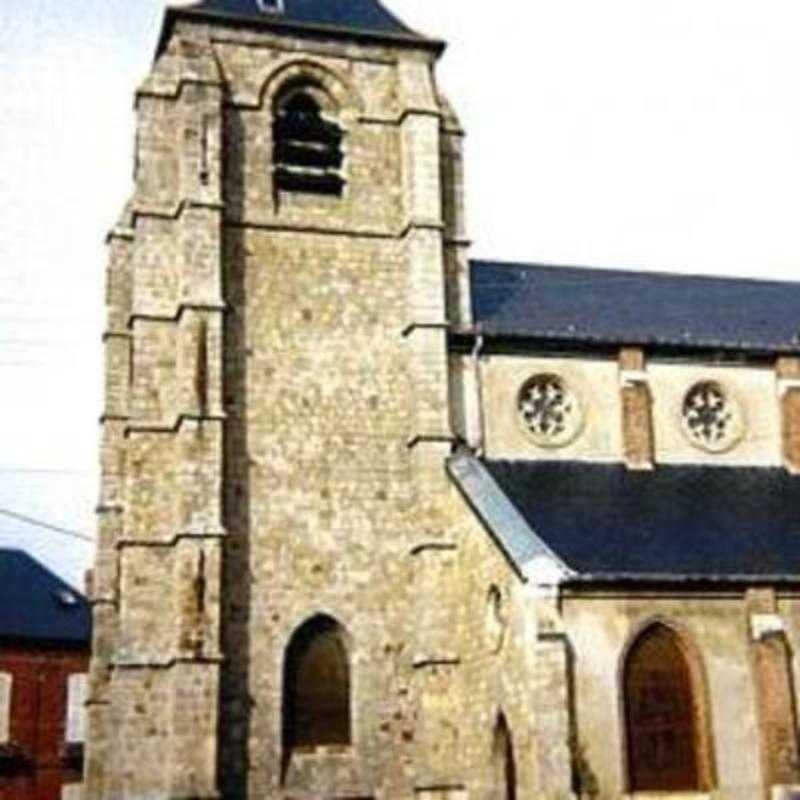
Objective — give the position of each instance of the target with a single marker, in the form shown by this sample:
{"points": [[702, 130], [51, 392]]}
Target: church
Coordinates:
{"points": [[382, 522]]}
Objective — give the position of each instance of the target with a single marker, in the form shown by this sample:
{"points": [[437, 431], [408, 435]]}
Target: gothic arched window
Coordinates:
{"points": [[316, 699], [307, 144], [667, 729], [504, 768]]}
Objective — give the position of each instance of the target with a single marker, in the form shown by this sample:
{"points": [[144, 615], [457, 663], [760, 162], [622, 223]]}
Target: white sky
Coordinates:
{"points": [[618, 133]]}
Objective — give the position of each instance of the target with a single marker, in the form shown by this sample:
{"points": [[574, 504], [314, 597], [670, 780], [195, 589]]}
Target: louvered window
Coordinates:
{"points": [[308, 155]]}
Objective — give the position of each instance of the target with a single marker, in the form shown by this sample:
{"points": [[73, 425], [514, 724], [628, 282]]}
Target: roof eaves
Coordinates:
{"points": [[492, 330], [36, 641], [411, 39], [528, 553], [650, 578]]}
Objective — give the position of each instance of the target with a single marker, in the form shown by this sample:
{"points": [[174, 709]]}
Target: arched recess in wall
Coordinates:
{"points": [[296, 71], [668, 733], [316, 687], [504, 768]]}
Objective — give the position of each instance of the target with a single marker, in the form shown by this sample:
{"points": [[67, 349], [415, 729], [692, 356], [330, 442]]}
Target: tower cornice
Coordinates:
{"points": [[352, 28]]}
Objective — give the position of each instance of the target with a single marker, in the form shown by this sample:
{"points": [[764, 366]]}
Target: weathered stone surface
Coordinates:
{"points": [[280, 402]]}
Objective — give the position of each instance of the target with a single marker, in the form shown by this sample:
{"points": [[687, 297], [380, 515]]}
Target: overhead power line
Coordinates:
{"points": [[46, 525], [43, 471]]}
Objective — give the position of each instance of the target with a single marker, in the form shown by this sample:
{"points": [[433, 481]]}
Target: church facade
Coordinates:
{"points": [[380, 522]]}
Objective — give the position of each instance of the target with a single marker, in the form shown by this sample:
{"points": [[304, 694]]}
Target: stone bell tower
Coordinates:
{"points": [[276, 414]]}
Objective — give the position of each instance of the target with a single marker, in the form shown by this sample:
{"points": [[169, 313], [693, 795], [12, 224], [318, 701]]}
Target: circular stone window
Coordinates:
{"points": [[550, 411], [712, 419]]}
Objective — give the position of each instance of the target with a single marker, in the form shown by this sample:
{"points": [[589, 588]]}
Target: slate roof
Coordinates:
{"points": [[37, 606], [599, 306], [363, 17], [605, 522]]}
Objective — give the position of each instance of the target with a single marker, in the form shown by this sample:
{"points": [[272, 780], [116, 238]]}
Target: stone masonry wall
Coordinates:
{"points": [[288, 460], [279, 408], [336, 391], [154, 676]]}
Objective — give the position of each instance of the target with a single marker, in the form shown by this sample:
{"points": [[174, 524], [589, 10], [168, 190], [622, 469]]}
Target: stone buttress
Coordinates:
{"points": [[155, 671]]}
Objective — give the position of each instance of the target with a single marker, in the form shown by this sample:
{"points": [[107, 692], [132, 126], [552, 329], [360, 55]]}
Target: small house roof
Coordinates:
{"points": [[37, 606]]}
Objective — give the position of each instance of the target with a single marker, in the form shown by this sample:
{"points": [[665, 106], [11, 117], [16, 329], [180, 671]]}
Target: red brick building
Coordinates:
{"points": [[45, 634]]}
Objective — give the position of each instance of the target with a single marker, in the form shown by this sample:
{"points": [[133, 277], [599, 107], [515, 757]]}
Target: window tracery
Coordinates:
{"points": [[712, 419], [550, 411]]}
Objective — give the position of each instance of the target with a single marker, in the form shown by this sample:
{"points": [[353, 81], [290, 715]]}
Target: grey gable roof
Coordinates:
{"points": [[605, 522], [597, 306], [361, 17], [38, 607]]}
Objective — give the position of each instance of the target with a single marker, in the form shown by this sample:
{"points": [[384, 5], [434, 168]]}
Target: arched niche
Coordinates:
{"points": [[316, 687]]}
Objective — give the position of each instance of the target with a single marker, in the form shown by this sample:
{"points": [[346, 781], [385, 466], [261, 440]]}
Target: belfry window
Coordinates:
{"points": [[308, 154], [316, 700]]}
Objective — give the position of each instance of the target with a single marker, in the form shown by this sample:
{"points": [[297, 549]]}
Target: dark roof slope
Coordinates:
{"points": [[37, 606], [597, 306], [364, 17], [605, 521]]}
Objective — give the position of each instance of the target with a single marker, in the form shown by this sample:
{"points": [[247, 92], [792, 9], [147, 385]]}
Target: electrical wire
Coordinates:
{"points": [[43, 471], [46, 526]]}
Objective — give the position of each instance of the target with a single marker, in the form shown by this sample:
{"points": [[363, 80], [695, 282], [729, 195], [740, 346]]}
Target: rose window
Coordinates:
{"points": [[711, 418], [550, 411]]}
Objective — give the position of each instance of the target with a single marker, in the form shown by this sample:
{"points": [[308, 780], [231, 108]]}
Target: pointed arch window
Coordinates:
{"points": [[503, 764], [316, 703], [666, 720], [308, 155]]}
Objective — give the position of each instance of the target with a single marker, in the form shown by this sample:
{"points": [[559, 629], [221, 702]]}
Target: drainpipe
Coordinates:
{"points": [[476, 364]]}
